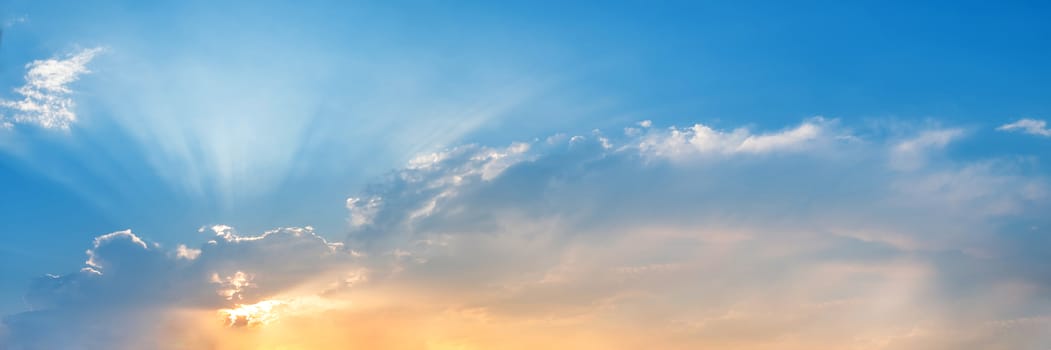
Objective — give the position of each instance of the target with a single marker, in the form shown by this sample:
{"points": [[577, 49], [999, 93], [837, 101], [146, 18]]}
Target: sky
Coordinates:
{"points": [[520, 175]]}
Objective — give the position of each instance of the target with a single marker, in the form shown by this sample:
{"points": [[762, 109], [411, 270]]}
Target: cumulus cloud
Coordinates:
{"points": [[46, 98], [672, 238], [134, 294], [1028, 126]]}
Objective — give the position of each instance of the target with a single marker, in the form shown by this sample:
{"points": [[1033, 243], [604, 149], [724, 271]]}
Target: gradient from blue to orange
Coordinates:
{"points": [[263, 114]]}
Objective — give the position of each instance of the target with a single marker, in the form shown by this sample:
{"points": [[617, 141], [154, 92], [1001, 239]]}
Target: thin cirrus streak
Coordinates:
{"points": [[672, 238], [1029, 126]]}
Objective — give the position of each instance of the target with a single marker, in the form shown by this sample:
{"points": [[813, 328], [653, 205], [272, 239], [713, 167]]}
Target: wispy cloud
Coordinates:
{"points": [[575, 240], [912, 152], [704, 139], [1028, 126], [46, 98], [14, 20]]}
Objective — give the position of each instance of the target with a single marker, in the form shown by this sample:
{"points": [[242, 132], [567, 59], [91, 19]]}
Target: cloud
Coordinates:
{"points": [[141, 291], [820, 241], [912, 153], [1028, 126], [46, 96], [810, 238], [14, 20], [706, 140]]}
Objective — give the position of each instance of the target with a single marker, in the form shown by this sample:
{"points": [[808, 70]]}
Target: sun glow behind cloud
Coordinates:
{"points": [[483, 175], [251, 315], [565, 241]]}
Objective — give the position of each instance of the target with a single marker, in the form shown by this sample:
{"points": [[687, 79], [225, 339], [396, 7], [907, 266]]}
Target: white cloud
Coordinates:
{"points": [[575, 240], [1028, 126], [913, 153], [783, 140], [932, 139], [46, 96], [362, 211], [184, 252], [703, 139]]}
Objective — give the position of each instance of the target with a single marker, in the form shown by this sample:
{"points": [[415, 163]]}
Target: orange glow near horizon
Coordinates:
{"points": [[251, 315]]}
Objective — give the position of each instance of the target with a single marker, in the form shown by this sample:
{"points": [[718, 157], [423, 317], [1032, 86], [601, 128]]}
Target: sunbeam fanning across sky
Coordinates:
{"points": [[524, 175]]}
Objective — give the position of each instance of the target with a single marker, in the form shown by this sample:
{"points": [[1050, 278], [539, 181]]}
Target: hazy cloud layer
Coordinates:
{"points": [[809, 237]]}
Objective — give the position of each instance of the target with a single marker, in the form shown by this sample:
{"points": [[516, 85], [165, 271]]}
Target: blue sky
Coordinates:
{"points": [[261, 114]]}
